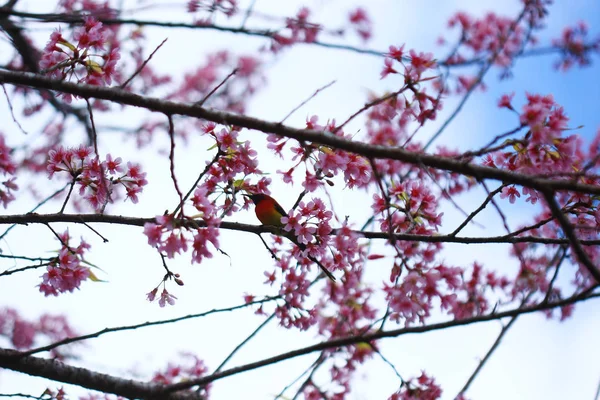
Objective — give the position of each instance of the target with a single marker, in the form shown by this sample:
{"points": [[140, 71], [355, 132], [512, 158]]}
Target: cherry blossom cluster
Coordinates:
{"points": [[574, 46], [413, 298], [542, 149], [346, 309], [419, 69], [67, 270], [191, 367], [322, 163], [171, 238], [24, 334], [86, 61], [226, 7], [408, 207], [538, 268], [422, 387], [238, 161], [310, 228], [387, 124], [361, 23], [97, 180], [7, 167], [224, 177], [474, 294], [94, 7], [493, 37], [298, 30]]}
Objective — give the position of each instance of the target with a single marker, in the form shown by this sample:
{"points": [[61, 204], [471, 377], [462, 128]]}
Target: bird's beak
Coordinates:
{"points": [[248, 196]]}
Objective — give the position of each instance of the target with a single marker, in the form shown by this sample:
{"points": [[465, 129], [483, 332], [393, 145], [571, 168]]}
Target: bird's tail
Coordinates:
{"points": [[323, 268], [302, 247]]}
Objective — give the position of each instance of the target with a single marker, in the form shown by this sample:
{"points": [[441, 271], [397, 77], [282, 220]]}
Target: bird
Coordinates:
{"points": [[269, 212]]}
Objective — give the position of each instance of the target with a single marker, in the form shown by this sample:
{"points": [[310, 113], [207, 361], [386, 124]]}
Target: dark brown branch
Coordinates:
{"points": [[571, 235], [32, 218], [228, 118], [347, 341], [58, 371]]}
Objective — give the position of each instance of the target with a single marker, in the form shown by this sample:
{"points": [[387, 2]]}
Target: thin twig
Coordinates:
{"points": [[12, 112], [47, 199], [143, 65], [487, 356], [306, 371], [71, 186], [189, 193], [143, 325], [246, 340], [172, 161], [369, 105], [247, 14], [477, 211], [14, 271], [201, 102], [307, 100]]}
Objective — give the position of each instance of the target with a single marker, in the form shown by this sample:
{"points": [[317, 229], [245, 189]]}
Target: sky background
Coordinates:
{"points": [[538, 359]]}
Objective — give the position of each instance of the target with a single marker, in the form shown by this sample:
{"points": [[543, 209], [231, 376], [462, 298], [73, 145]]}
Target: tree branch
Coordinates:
{"points": [[33, 218], [228, 118], [347, 341], [58, 371], [571, 235]]}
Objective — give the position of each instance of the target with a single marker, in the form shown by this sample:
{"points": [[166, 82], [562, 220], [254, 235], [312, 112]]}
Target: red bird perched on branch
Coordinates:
{"points": [[269, 212]]}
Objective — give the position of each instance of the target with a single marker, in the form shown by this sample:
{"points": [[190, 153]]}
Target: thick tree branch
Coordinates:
{"points": [[347, 341], [58, 371], [228, 118], [32, 218]]}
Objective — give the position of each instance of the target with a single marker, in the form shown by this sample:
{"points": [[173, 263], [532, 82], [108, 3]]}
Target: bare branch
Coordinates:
{"points": [[142, 325], [347, 341], [487, 356], [141, 67]]}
